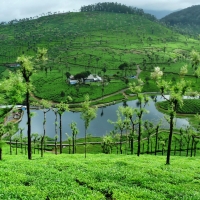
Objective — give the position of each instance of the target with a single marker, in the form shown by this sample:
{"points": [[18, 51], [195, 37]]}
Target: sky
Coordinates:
{"points": [[18, 9]]}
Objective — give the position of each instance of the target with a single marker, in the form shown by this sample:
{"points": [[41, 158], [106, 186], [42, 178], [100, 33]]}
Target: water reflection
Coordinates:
{"points": [[99, 126]]}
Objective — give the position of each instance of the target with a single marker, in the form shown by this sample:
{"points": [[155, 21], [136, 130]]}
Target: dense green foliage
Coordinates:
{"points": [[190, 106], [3, 112], [184, 16], [186, 21], [99, 177], [116, 8]]}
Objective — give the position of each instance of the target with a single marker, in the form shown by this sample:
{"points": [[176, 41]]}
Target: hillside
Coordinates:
{"points": [[98, 42], [158, 13], [187, 19], [101, 176]]}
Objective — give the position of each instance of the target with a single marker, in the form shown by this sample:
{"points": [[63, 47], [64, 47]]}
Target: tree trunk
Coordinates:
{"points": [[162, 150], [180, 147], [41, 145], [38, 148], [139, 136], [85, 141], [188, 143], [192, 146], [73, 144], [29, 125], [16, 147], [44, 133], [0, 153], [60, 133], [10, 147], [121, 143], [132, 145], [156, 144], [170, 140], [55, 146], [148, 141]]}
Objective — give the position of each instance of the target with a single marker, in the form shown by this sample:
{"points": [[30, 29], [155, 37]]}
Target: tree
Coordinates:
{"points": [[195, 58], [142, 101], [69, 139], [21, 138], [149, 127], [27, 67], [75, 131], [11, 129], [67, 75], [181, 140], [124, 66], [16, 138], [35, 138], [2, 132], [197, 73], [12, 89], [129, 113], [156, 142], [176, 91], [45, 107], [82, 76], [107, 142], [56, 131], [87, 114], [61, 108]]}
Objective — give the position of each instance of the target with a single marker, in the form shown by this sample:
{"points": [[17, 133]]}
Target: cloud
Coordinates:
{"points": [[11, 9]]}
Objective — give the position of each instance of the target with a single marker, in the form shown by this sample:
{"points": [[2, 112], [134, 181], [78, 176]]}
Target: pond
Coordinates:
{"points": [[99, 126]]}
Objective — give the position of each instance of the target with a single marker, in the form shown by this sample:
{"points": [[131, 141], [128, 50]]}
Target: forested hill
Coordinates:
{"points": [[189, 15], [116, 8]]}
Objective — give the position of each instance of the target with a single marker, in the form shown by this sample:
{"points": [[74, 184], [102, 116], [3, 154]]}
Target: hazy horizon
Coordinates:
{"points": [[19, 9]]}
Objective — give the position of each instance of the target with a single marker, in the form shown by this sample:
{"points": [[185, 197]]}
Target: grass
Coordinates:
{"points": [[99, 177]]}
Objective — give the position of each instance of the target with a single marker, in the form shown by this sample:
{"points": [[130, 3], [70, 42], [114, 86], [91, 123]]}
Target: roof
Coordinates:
{"points": [[94, 77], [72, 82]]}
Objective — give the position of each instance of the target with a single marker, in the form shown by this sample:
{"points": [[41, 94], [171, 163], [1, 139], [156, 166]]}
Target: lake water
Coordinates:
{"points": [[99, 126]]}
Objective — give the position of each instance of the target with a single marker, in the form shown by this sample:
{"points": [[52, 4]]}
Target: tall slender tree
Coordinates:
{"points": [[75, 131], [176, 91], [142, 101], [88, 113], [46, 107], [27, 67], [61, 108]]}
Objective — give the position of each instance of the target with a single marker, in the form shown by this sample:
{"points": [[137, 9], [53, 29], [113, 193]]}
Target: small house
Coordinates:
{"points": [[93, 78], [73, 82]]}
